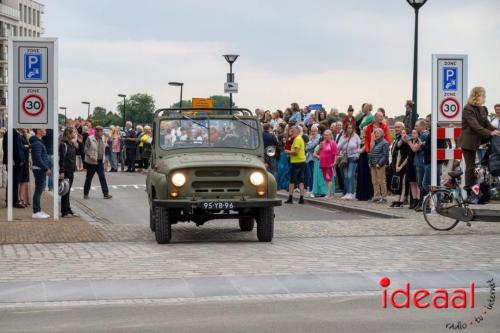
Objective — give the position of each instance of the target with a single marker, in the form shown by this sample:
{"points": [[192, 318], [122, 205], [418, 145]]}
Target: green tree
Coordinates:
{"points": [[99, 116], [139, 109], [61, 119], [221, 101], [185, 104], [105, 118]]}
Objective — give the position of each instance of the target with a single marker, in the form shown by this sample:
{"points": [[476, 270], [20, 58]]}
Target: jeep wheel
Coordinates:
{"points": [[265, 224], [163, 228], [246, 223], [152, 220]]}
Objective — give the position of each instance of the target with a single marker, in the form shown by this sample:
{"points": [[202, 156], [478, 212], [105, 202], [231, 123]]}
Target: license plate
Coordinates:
{"points": [[217, 205]]}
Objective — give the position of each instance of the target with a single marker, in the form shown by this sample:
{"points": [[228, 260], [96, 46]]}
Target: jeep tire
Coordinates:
{"points": [[152, 220], [265, 224], [246, 223], [163, 228]]}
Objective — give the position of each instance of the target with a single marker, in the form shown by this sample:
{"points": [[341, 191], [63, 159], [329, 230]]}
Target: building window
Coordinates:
{"points": [[38, 34], [29, 15], [25, 32], [20, 12]]}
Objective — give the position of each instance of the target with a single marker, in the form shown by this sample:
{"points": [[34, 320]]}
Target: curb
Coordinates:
{"points": [[333, 205]]}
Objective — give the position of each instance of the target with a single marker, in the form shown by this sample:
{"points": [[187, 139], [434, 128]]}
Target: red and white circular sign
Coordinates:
{"points": [[33, 105], [450, 107]]}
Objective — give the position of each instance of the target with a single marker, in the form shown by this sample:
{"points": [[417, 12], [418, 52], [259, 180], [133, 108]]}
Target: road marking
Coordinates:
{"points": [[115, 187]]}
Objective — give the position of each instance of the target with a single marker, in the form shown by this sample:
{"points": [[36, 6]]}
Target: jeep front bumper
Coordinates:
{"points": [[218, 204]]}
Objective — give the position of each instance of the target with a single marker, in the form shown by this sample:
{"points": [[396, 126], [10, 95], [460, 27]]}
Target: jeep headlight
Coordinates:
{"points": [[257, 178], [178, 179]]}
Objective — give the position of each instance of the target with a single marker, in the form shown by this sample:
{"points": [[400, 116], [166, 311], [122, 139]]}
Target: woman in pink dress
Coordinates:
{"points": [[326, 153]]}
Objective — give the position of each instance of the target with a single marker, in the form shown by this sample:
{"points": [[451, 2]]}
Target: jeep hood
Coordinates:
{"points": [[207, 160]]}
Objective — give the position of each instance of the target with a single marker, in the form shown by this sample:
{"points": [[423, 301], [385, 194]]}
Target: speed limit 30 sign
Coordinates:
{"points": [[33, 106], [449, 108]]}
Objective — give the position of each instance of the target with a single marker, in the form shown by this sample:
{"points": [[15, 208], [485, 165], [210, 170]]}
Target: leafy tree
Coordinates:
{"points": [[221, 101], [139, 109], [185, 104], [61, 119], [105, 118]]}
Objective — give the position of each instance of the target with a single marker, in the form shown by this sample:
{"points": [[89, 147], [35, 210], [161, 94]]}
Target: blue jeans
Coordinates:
{"points": [[309, 176], [50, 179], [114, 161], [426, 182], [349, 172], [39, 188]]}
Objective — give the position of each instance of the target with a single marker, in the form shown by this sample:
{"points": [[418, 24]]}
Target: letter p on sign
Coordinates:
{"points": [[32, 66]]}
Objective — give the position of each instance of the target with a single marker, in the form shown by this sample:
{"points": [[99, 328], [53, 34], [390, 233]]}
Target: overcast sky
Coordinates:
{"points": [[318, 51]]}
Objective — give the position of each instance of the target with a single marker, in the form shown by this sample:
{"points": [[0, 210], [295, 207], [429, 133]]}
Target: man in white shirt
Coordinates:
{"points": [[496, 121]]}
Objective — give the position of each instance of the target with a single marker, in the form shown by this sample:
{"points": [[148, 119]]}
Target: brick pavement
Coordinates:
{"points": [[25, 230], [375, 209], [205, 256]]}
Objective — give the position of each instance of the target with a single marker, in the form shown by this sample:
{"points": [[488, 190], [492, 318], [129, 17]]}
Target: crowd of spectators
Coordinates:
{"points": [[361, 155], [83, 147]]}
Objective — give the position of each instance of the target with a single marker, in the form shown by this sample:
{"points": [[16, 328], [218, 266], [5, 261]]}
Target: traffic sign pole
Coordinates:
{"points": [[55, 126], [10, 136]]}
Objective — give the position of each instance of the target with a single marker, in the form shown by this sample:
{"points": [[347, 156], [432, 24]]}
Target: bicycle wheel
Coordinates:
{"points": [[433, 203]]}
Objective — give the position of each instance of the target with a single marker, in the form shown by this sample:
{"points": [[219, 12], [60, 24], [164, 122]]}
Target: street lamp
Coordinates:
{"points": [[177, 84], [230, 58], [416, 4], [88, 109], [65, 116], [124, 102]]}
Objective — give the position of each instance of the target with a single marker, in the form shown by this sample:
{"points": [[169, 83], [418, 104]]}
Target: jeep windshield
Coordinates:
{"points": [[238, 133]]}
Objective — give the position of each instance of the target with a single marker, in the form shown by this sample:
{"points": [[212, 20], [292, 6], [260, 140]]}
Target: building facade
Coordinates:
{"points": [[18, 18]]}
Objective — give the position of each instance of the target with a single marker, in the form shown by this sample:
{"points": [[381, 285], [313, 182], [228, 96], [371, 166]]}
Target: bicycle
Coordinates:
{"points": [[445, 206]]}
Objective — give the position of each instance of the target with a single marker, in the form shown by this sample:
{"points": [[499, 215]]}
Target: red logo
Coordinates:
{"points": [[421, 298]]}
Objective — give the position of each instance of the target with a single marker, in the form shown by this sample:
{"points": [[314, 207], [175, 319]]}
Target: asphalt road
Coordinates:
{"points": [[326, 314], [129, 204]]}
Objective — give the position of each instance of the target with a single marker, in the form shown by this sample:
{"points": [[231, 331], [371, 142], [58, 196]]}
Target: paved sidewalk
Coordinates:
{"points": [[373, 209], [25, 230]]}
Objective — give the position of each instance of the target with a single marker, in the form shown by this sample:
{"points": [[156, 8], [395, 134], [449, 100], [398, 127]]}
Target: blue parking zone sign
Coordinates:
{"points": [[32, 66], [450, 77]]}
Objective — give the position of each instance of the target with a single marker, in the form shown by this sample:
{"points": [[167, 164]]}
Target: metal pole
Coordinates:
{"points": [[10, 131], [88, 111], [414, 114], [180, 103], [65, 117], [434, 122], [124, 117], [55, 134], [231, 94]]}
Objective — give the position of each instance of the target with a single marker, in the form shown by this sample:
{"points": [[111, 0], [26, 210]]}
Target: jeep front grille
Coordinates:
{"points": [[217, 186], [217, 173]]}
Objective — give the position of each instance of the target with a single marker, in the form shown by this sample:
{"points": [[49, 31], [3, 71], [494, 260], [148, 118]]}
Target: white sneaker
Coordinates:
{"points": [[351, 196], [311, 195], [345, 197], [45, 214], [40, 215]]}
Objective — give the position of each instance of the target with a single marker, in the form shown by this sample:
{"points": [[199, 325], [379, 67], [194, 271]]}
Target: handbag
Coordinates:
{"points": [[342, 159], [395, 183]]}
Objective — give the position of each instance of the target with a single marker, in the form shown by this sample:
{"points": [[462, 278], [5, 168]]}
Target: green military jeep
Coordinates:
{"points": [[209, 164]]}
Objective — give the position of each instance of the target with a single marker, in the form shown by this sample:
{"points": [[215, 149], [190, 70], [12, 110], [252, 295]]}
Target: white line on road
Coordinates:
{"points": [[115, 187]]}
